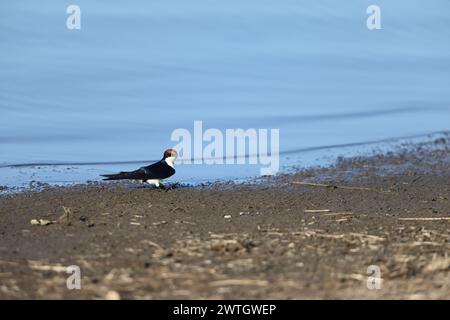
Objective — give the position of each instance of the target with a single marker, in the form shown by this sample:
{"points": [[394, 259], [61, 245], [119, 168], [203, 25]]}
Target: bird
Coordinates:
{"points": [[152, 174]]}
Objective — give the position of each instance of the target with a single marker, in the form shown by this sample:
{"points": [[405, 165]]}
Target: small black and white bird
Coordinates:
{"points": [[151, 174]]}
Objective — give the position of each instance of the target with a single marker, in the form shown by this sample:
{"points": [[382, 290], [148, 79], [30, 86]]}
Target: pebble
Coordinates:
{"points": [[112, 295]]}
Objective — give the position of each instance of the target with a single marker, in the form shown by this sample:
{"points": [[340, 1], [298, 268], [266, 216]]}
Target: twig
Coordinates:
{"points": [[419, 243], [425, 219], [151, 243], [39, 265], [186, 222], [332, 186], [239, 282], [65, 217], [338, 214]]}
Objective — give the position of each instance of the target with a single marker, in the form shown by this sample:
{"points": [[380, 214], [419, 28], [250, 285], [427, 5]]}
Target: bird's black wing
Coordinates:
{"points": [[138, 174], [159, 170]]}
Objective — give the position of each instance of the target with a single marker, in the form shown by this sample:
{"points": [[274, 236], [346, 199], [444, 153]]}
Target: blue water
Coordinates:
{"points": [[114, 91]]}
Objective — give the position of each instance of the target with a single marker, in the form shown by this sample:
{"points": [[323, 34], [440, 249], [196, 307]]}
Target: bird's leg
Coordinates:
{"points": [[162, 187], [173, 186]]}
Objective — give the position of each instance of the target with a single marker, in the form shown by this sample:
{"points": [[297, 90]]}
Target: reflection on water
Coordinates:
{"points": [[114, 91]]}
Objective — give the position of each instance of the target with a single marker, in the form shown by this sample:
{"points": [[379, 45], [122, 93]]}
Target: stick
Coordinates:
{"points": [[332, 186], [339, 214], [151, 243], [425, 219], [239, 282]]}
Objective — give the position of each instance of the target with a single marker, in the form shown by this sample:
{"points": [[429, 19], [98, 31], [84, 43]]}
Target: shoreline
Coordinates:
{"points": [[40, 176], [305, 234]]}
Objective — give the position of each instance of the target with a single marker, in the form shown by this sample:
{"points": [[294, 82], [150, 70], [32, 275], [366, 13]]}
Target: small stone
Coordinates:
{"points": [[40, 222], [112, 295]]}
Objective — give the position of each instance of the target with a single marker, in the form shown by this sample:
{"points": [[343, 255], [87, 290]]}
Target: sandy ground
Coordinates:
{"points": [[262, 240]]}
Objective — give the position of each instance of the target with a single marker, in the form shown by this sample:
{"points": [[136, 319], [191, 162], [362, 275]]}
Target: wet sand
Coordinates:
{"points": [[309, 234]]}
